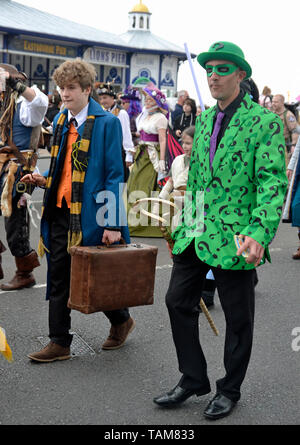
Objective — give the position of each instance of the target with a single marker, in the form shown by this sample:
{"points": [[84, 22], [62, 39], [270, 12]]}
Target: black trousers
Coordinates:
{"points": [[59, 270], [236, 293], [17, 230]]}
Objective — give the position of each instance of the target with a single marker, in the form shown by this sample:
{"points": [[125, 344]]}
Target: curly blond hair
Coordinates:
{"points": [[75, 71]]}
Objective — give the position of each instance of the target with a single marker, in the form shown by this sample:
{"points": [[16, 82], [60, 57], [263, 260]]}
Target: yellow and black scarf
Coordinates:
{"points": [[79, 166]]}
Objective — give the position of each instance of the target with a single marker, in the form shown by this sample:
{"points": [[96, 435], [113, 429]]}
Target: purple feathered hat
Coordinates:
{"points": [[158, 96], [131, 94]]}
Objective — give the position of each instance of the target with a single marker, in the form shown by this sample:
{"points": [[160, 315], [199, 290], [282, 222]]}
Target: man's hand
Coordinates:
{"points": [[34, 179], [111, 237], [256, 251], [162, 166], [16, 84]]}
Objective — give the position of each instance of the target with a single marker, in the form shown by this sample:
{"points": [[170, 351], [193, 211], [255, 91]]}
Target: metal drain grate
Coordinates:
{"points": [[78, 345]]}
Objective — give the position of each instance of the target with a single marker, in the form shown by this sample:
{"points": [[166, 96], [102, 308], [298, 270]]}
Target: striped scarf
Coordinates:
{"points": [[79, 166]]}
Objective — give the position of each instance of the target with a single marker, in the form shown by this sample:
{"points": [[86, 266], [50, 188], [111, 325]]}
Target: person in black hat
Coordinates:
{"points": [[107, 98]]}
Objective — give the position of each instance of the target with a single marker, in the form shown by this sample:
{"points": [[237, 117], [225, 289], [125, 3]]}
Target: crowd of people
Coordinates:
{"points": [[152, 177], [100, 138]]}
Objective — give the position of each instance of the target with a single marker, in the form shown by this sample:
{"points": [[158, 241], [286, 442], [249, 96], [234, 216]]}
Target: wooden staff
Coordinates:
{"points": [[167, 236]]}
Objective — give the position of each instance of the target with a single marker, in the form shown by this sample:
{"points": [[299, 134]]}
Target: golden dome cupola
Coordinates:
{"points": [[140, 7], [139, 18]]}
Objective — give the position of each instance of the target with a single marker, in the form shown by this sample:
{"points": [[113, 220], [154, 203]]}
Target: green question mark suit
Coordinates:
{"points": [[244, 191]]}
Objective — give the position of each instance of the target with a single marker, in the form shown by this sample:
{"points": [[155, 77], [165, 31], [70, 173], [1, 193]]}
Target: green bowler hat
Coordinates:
{"points": [[226, 51]]}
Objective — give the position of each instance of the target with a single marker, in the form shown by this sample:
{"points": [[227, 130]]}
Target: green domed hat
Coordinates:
{"points": [[226, 51]]}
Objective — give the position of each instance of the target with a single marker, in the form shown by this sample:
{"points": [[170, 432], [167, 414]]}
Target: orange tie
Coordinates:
{"points": [[65, 184]]}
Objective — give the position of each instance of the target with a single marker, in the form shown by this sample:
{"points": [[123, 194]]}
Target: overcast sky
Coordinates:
{"points": [[268, 32]]}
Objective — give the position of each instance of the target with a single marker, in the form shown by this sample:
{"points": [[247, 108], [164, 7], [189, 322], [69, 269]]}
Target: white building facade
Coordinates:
{"points": [[37, 42]]}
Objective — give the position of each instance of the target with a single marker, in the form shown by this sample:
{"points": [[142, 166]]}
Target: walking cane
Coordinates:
{"points": [[162, 222]]}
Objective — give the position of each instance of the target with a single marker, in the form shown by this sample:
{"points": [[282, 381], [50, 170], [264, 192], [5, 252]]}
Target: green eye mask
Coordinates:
{"points": [[222, 70]]}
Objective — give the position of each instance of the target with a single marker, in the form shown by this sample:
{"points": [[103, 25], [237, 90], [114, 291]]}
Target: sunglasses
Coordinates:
{"points": [[222, 70]]}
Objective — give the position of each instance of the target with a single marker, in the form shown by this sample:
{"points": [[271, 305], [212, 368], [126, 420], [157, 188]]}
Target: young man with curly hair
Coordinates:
{"points": [[86, 158]]}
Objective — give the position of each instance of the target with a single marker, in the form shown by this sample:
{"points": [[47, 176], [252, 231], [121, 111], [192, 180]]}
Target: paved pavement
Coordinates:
{"points": [[107, 388]]}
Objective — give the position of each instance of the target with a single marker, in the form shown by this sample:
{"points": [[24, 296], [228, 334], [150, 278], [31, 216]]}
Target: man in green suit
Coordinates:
{"points": [[236, 186]]}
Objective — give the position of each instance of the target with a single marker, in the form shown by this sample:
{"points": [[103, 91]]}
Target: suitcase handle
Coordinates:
{"points": [[110, 246], [122, 244]]}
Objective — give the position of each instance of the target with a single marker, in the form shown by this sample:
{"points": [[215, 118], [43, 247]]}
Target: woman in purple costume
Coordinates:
{"points": [[149, 167]]}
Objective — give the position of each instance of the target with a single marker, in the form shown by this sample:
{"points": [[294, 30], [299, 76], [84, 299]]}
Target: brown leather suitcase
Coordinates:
{"points": [[114, 277]]}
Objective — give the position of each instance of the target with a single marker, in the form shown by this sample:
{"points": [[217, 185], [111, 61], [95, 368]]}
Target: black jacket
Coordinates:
{"points": [[182, 122]]}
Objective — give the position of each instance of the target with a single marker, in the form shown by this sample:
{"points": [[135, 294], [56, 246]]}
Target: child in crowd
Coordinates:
{"points": [[186, 119], [175, 188], [180, 167]]}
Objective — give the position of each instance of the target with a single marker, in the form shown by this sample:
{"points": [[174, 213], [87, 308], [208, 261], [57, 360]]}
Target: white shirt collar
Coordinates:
{"points": [[80, 117]]}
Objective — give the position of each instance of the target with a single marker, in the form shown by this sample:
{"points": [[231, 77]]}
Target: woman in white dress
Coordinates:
{"points": [[149, 169]]}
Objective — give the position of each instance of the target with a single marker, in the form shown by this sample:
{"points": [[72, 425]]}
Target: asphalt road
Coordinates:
{"points": [[107, 388]]}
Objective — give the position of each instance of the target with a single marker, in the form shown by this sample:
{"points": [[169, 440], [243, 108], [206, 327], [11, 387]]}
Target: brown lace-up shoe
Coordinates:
{"points": [[118, 334], [51, 353]]}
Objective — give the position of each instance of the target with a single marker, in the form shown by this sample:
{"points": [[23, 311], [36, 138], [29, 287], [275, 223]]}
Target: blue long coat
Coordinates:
{"points": [[103, 180]]}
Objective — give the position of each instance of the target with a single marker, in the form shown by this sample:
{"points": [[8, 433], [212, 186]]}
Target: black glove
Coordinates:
{"points": [[16, 84]]}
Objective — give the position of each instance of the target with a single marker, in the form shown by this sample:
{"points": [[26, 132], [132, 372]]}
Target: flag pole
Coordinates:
{"points": [[194, 76]]}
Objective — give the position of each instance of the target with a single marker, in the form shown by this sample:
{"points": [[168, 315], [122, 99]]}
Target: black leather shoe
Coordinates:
{"points": [[220, 406], [178, 395]]}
